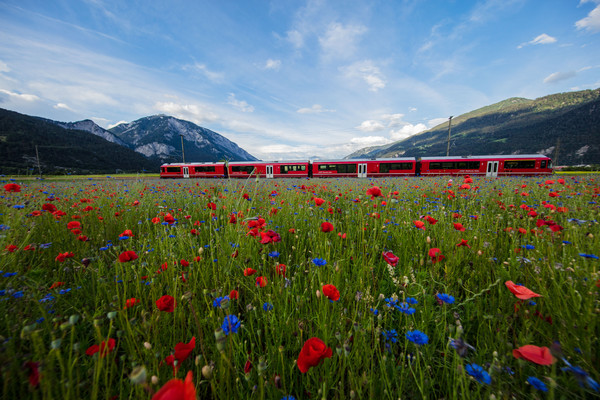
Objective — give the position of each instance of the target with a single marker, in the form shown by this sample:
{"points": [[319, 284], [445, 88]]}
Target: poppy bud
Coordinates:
{"points": [[147, 345], [154, 379], [138, 375], [318, 293], [207, 372]]}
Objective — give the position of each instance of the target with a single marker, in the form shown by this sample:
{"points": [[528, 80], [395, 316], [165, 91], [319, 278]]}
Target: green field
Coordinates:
{"points": [[424, 308]]}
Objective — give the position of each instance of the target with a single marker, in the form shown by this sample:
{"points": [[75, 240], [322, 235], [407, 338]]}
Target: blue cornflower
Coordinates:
{"points": [[267, 306], [477, 372], [528, 246], [417, 337], [288, 398], [123, 237], [582, 376], [390, 335], [220, 302], [9, 274], [231, 324], [390, 303], [411, 300], [274, 254], [536, 383], [45, 245], [374, 311], [18, 206], [4, 227], [319, 262], [446, 298], [589, 256], [404, 307], [18, 295]]}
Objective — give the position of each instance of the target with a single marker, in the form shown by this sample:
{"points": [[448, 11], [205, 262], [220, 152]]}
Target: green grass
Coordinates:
{"points": [[89, 307]]}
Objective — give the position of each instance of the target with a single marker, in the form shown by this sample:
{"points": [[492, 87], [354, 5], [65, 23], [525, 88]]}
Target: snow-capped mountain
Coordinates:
{"points": [[160, 135]]}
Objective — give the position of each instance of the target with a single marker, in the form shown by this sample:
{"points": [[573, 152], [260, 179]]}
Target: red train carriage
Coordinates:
{"points": [[276, 169], [364, 168], [533, 164], [193, 170]]}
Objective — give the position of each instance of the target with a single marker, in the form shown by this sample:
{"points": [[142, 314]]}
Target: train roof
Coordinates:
{"points": [[501, 156], [194, 163], [268, 162]]}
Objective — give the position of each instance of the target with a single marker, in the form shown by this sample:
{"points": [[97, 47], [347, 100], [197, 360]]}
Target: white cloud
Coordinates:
{"points": [[63, 106], [239, 104], [20, 96], [273, 64], [412, 109], [559, 76], [192, 112], [407, 131], [4, 67], [211, 75], [340, 40], [541, 39], [116, 124], [368, 141], [393, 120], [315, 109], [591, 22], [366, 71], [295, 38], [370, 126]]}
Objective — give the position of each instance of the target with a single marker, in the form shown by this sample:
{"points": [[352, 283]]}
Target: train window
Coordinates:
{"points": [[173, 169], [467, 165], [340, 168], [519, 164], [387, 167], [293, 168], [242, 168], [543, 164], [205, 169]]}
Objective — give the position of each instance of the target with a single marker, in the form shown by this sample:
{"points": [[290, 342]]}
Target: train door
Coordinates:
{"points": [[492, 168], [269, 171], [362, 170], [186, 172]]}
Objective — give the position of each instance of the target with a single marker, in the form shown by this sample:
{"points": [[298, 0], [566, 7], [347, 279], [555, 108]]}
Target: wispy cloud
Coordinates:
{"points": [[239, 104], [196, 113], [559, 76], [591, 22], [541, 39], [315, 109], [63, 106], [204, 71], [20, 96], [370, 126], [273, 64], [367, 72], [341, 40], [4, 67]]}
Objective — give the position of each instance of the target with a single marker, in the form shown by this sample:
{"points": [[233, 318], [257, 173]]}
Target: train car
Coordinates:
{"points": [[274, 169], [365, 168], [193, 170], [381, 167], [491, 166]]}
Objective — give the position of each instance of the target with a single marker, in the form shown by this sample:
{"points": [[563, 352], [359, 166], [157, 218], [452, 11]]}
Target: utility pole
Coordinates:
{"points": [[37, 157], [555, 163], [449, 129], [182, 152]]}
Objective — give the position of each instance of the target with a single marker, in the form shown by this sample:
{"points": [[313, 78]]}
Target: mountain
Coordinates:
{"points": [[61, 150], [570, 121], [90, 126], [160, 136]]}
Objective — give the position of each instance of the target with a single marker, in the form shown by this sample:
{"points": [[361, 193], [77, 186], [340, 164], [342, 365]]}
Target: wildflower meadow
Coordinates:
{"points": [[301, 288]]}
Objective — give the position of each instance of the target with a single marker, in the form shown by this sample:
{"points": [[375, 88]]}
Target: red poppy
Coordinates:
{"points": [[374, 192], [535, 354], [56, 284], [390, 258], [177, 389], [261, 281], [33, 373], [74, 225], [436, 255], [326, 227], [49, 207], [211, 206], [331, 292], [82, 238], [168, 219], [131, 302], [312, 353], [419, 224], [183, 350], [249, 271], [104, 348], [280, 269], [12, 187], [521, 292], [63, 256], [127, 232], [184, 263], [194, 232], [11, 248], [234, 294], [270, 236], [128, 255], [465, 186], [431, 220], [463, 242], [166, 303], [248, 367], [459, 227]]}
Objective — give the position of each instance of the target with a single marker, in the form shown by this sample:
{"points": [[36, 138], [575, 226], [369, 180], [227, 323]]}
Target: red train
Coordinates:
{"points": [[535, 164]]}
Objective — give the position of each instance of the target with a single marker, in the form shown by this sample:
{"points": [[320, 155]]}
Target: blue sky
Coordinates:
{"points": [[292, 79]]}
